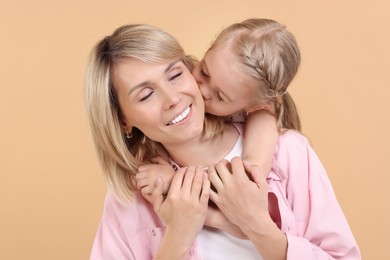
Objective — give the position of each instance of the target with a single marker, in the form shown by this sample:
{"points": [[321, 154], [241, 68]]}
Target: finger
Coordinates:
{"points": [[188, 179], [139, 176], [214, 178], [159, 160], [227, 164], [177, 180], [144, 167], [142, 183], [223, 171], [157, 195], [205, 195], [255, 174], [224, 161], [146, 190], [238, 169], [197, 182], [214, 197]]}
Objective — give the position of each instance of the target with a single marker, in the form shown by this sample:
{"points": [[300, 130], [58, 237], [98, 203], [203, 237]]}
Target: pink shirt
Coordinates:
{"points": [[301, 201]]}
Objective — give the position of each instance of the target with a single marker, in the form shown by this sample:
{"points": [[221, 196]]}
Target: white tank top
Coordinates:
{"points": [[216, 244]]}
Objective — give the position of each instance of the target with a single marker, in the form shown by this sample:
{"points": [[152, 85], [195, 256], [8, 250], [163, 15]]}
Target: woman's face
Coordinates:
{"points": [[162, 100], [221, 84]]}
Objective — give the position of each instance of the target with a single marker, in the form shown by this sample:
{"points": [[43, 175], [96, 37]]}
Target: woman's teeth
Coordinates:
{"points": [[180, 117]]}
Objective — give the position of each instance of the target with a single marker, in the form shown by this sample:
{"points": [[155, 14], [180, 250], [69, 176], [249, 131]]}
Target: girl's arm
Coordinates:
{"points": [[148, 174], [260, 139]]}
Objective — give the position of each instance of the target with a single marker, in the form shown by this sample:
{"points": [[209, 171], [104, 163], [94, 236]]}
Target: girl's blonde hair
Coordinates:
{"points": [[119, 156], [269, 54]]}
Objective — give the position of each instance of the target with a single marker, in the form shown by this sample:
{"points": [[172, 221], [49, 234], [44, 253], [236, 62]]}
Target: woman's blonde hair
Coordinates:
{"points": [[269, 54], [119, 156]]}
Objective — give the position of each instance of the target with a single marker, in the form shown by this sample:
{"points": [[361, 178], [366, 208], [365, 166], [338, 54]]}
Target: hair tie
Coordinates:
{"points": [[278, 95]]}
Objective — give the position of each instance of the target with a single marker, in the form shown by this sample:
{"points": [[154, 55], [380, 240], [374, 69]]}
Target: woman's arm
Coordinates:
{"points": [[133, 231], [260, 139], [322, 229], [245, 204], [183, 211]]}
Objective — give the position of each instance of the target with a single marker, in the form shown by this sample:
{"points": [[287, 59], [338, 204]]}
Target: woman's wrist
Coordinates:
{"points": [[174, 245], [259, 225], [268, 239]]}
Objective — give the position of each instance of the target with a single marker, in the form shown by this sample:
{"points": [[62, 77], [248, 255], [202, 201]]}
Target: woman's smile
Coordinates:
{"points": [[184, 115]]}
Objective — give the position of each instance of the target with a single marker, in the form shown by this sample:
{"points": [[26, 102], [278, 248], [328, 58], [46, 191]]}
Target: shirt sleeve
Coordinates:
{"points": [[110, 242], [322, 229]]}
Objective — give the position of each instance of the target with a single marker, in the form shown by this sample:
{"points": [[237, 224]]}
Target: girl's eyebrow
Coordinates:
{"points": [[226, 96], [205, 66], [146, 83]]}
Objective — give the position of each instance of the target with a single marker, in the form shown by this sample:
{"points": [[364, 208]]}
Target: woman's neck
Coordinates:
{"points": [[204, 153]]}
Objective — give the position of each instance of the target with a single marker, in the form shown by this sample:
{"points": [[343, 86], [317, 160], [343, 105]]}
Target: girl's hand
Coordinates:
{"points": [[184, 208], [148, 174], [242, 201]]}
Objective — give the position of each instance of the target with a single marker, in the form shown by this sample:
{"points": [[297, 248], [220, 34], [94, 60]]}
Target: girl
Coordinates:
{"points": [[244, 75]]}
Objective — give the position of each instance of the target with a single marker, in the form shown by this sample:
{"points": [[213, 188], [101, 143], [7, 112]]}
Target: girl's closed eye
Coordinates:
{"points": [[203, 73], [219, 97]]}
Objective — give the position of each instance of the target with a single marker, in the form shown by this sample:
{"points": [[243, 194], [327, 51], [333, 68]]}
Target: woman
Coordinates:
{"points": [[139, 88]]}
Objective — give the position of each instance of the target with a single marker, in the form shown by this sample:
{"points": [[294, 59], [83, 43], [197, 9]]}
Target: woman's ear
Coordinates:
{"points": [[126, 128]]}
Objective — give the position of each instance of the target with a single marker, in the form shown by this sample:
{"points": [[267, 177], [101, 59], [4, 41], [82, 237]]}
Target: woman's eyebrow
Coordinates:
{"points": [[146, 83], [171, 65], [140, 85]]}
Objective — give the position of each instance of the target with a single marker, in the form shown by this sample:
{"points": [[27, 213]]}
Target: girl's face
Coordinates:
{"points": [[222, 86], [161, 100]]}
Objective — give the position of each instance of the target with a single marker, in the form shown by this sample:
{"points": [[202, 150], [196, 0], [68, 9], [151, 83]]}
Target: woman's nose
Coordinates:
{"points": [[172, 98]]}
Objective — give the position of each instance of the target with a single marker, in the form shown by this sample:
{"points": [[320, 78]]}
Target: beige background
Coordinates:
{"points": [[51, 191]]}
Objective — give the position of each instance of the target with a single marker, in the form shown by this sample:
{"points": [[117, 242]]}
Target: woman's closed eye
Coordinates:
{"points": [[176, 75], [145, 94]]}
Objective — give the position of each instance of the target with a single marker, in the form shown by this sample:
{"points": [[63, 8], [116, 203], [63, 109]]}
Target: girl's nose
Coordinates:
{"points": [[204, 90]]}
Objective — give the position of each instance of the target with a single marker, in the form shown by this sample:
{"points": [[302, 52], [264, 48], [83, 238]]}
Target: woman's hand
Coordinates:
{"points": [[240, 199], [245, 203], [184, 208]]}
